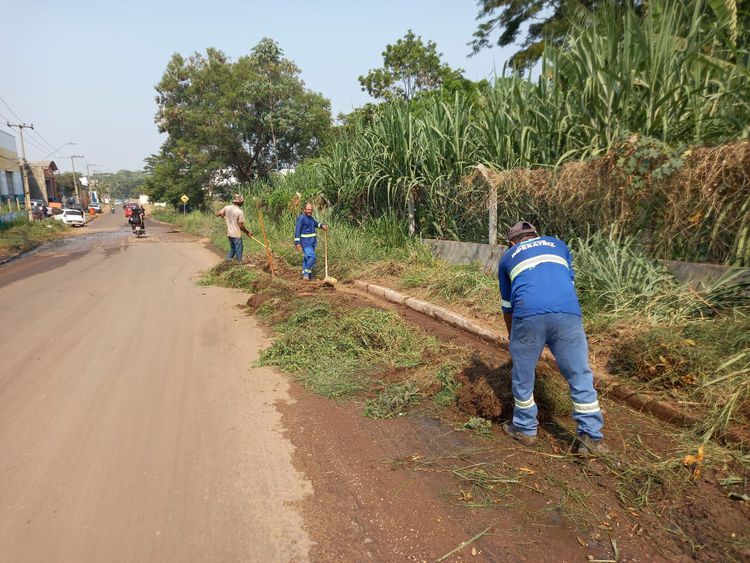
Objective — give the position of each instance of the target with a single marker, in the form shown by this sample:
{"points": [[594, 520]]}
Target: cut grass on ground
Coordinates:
{"points": [[338, 352], [665, 337], [347, 351]]}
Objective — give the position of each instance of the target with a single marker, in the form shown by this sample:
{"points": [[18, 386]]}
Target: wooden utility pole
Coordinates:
{"points": [[24, 175], [75, 181]]}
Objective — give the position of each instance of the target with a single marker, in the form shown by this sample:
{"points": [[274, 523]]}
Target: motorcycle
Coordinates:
{"points": [[137, 226]]}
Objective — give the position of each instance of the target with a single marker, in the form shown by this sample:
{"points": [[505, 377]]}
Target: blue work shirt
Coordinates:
{"points": [[305, 232], [536, 277]]}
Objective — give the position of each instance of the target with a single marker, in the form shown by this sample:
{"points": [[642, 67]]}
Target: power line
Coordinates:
{"points": [[36, 145], [10, 109], [50, 146]]}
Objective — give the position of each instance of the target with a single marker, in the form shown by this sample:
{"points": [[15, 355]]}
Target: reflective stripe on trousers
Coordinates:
{"points": [[564, 335]]}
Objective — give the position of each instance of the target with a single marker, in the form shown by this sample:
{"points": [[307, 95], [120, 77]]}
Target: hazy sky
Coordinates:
{"points": [[85, 71]]}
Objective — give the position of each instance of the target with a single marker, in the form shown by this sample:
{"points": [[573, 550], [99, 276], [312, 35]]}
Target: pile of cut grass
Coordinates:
{"points": [[337, 352], [231, 274]]}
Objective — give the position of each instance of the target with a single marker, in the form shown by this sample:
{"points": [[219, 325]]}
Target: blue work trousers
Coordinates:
{"points": [[564, 335], [308, 262], [235, 248]]}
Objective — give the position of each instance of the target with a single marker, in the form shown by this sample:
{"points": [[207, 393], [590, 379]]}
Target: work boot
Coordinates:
{"points": [[585, 445], [516, 434], [306, 277]]}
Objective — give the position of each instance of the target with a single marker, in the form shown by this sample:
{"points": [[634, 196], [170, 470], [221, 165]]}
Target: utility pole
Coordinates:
{"points": [[92, 183], [24, 175], [75, 180]]}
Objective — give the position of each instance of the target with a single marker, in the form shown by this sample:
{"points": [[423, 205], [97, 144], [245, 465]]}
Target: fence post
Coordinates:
{"points": [[492, 208], [412, 219]]}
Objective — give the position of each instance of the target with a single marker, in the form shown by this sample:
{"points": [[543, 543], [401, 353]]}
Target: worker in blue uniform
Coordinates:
{"points": [[306, 239], [540, 307]]}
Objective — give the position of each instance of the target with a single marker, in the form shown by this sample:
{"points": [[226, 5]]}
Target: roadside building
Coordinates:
{"points": [[42, 181], [11, 183]]}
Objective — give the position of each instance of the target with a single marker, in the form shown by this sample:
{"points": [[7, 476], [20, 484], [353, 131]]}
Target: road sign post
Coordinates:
{"points": [[184, 200]]}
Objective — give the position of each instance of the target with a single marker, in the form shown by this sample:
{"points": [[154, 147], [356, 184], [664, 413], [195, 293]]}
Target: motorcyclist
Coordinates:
{"points": [[137, 218]]}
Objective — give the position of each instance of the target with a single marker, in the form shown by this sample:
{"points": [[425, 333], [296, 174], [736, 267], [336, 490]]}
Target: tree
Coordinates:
{"points": [[121, 184], [64, 181], [549, 20], [233, 120], [409, 66]]}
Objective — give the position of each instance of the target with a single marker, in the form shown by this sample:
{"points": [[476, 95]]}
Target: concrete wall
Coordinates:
{"points": [[9, 163], [488, 257]]}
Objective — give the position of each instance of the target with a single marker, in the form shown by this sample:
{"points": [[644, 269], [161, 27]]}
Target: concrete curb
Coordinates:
{"points": [[433, 311], [604, 384]]}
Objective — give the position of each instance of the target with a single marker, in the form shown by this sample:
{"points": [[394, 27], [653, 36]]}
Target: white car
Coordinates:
{"points": [[73, 217]]}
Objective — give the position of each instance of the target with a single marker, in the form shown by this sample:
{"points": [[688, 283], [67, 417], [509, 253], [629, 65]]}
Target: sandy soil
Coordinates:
{"points": [[131, 426]]}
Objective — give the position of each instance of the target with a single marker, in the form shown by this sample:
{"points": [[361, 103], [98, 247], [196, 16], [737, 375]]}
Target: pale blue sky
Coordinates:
{"points": [[84, 71]]}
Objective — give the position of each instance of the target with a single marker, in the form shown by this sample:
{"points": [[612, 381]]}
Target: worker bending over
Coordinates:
{"points": [[540, 306], [306, 239]]}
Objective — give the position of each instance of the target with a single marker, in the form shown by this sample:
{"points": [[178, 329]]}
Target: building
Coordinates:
{"points": [[11, 183], [42, 181]]}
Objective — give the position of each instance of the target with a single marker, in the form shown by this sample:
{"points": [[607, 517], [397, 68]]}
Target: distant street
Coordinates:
{"points": [[132, 426]]}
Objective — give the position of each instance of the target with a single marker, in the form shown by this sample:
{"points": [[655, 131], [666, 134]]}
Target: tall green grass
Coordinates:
{"points": [[672, 75], [614, 274]]}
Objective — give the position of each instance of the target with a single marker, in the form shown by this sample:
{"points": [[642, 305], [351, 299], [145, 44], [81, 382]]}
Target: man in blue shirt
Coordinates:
{"points": [[540, 307], [306, 239]]}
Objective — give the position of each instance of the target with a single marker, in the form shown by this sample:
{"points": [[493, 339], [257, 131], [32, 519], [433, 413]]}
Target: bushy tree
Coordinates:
{"points": [[64, 181], [233, 120], [410, 66]]}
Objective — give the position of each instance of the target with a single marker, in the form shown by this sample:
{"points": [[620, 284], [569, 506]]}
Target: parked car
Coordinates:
{"points": [[96, 206], [73, 217]]}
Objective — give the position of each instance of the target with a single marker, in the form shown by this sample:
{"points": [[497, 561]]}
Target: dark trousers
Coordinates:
{"points": [[235, 248]]}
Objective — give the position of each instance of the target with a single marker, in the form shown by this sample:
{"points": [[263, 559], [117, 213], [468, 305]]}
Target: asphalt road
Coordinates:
{"points": [[132, 425]]}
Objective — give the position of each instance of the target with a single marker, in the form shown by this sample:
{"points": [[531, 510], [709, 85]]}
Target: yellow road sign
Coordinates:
{"points": [[184, 198]]}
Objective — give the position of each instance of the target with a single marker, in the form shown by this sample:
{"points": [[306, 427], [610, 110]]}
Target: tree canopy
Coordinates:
{"points": [[121, 184], [501, 22], [409, 66], [232, 120]]}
